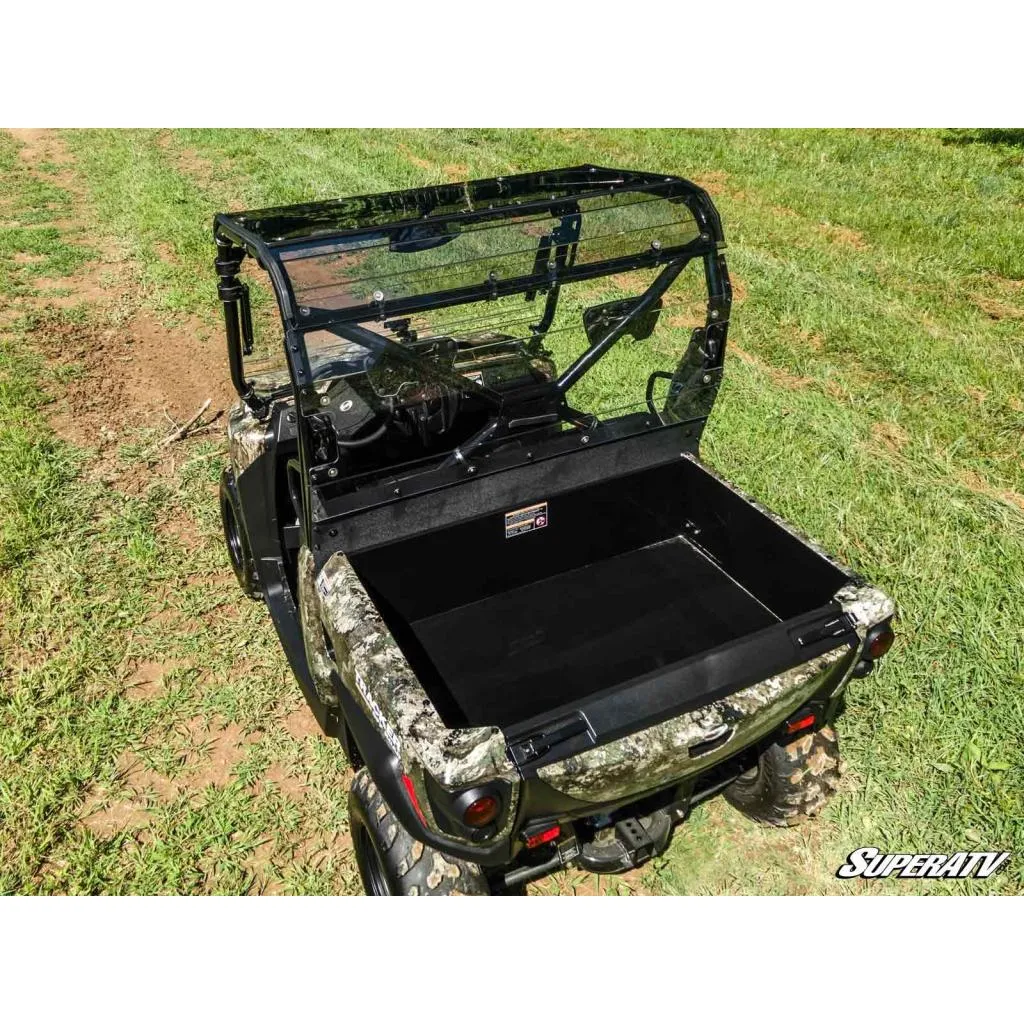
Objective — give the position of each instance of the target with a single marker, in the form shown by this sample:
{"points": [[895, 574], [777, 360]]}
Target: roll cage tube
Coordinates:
{"points": [[234, 296], [265, 235]]}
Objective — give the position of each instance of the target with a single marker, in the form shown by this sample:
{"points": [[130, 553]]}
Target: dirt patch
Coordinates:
{"points": [[300, 724], [784, 212], [777, 375], [139, 788], [151, 375], [146, 680], [890, 436], [132, 372], [130, 815], [288, 785], [416, 161], [188, 161], [996, 309], [714, 182], [718, 184], [183, 531], [841, 235], [456, 172], [133, 381], [975, 482]]}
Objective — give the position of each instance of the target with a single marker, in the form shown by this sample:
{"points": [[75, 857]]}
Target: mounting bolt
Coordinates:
{"points": [[304, 310], [715, 314], [398, 490], [585, 439], [332, 472], [471, 470], [655, 245], [705, 237], [378, 296], [325, 400], [552, 265], [706, 378]]}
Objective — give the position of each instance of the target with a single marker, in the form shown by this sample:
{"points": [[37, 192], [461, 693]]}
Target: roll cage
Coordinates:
{"points": [[551, 212]]}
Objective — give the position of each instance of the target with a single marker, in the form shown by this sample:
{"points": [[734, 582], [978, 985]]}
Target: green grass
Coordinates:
{"points": [[874, 395]]}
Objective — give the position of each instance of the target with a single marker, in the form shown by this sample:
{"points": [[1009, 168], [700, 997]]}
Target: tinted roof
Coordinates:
{"points": [[465, 201], [399, 252]]}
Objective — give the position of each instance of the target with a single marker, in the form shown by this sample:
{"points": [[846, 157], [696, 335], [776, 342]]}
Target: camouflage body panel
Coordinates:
{"points": [[249, 434], [248, 437], [321, 665], [660, 754], [375, 671], [866, 605]]}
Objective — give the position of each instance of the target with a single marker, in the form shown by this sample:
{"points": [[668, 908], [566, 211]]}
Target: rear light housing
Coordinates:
{"points": [[879, 640], [482, 811], [477, 813]]}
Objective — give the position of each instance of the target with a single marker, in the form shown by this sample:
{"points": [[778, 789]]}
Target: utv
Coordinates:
{"points": [[466, 483]]}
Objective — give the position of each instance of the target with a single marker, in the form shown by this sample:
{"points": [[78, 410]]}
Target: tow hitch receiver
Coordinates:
{"points": [[627, 844]]}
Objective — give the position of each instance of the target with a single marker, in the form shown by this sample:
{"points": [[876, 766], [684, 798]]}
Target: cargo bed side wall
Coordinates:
{"points": [[472, 560]]}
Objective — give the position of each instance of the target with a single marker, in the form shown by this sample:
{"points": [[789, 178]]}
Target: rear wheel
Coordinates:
{"points": [[790, 783], [236, 540], [391, 862]]}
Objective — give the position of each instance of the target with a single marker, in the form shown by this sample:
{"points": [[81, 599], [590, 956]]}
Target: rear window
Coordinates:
{"points": [[414, 260]]}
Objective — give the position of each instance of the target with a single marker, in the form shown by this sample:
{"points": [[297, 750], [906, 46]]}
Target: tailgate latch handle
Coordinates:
{"points": [[537, 745], [835, 626], [716, 738]]}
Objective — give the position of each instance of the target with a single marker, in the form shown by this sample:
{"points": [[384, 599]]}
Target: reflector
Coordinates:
{"points": [[543, 837], [800, 723]]}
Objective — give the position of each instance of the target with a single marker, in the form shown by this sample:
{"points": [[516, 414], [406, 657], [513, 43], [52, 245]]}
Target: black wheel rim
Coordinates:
{"points": [[370, 866]]}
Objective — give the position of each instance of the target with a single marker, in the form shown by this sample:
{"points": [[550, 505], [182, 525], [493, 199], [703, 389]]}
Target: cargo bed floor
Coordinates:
{"points": [[518, 654]]}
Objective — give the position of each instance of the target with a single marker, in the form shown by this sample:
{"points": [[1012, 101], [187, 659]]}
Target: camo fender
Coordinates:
{"points": [[248, 437], [374, 669], [321, 666], [661, 754], [865, 605]]}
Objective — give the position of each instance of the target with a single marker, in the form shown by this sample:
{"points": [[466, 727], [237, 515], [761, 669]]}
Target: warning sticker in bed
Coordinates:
{"points": [[526, 520]]}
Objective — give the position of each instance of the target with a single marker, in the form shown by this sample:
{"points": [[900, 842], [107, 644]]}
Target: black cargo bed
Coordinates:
{"points": [[515, 655], [628, 579]]}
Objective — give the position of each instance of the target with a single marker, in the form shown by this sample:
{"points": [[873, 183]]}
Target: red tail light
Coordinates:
{"points": [[540, 838], [411, 790], [803, 722], [481, 811], [880, 642]]}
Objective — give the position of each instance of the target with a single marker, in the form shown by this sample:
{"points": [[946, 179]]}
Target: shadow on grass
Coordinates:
{"points": [[988, 136]]}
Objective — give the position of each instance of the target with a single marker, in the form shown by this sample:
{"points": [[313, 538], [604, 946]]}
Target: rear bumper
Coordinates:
{"points": [[684, 747], [676, 757]]}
